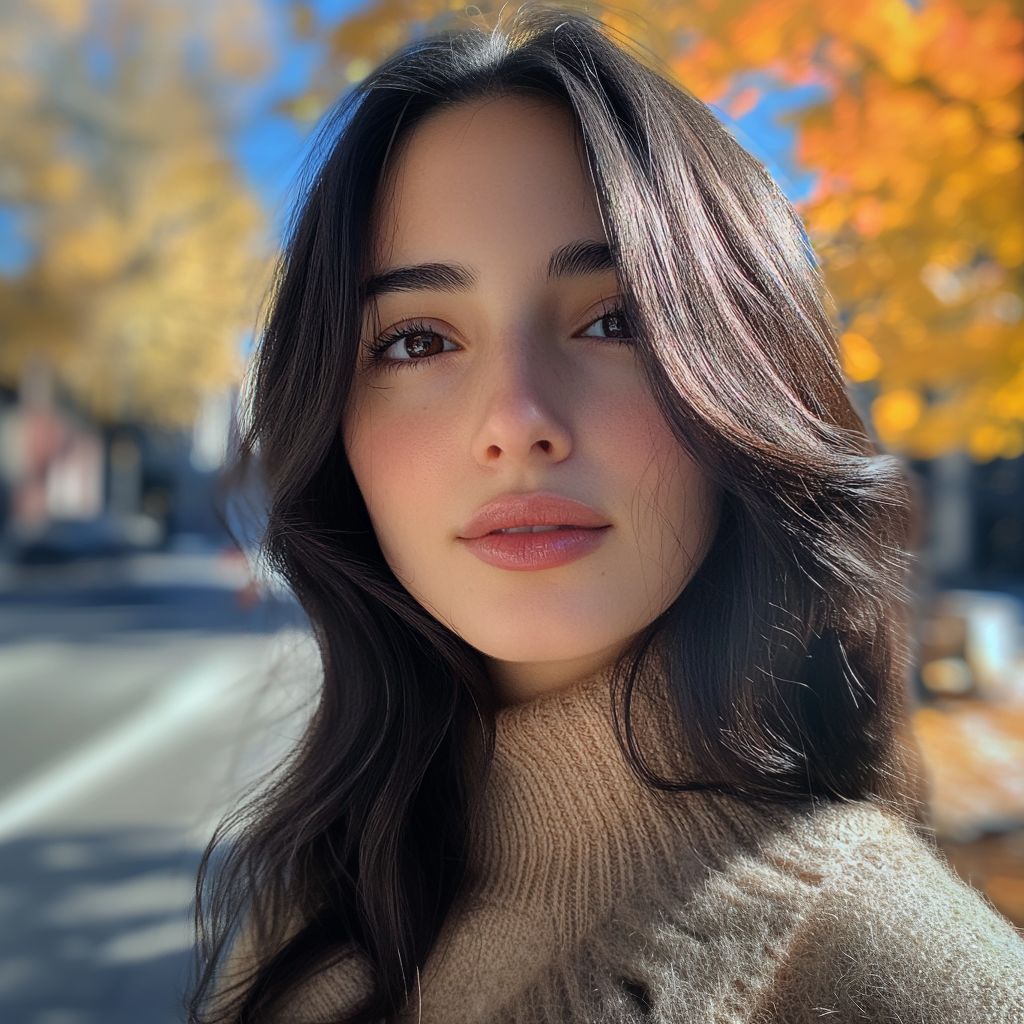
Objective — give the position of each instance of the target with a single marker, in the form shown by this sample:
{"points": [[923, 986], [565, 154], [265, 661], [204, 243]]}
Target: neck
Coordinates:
{"points": [[516, 682]]}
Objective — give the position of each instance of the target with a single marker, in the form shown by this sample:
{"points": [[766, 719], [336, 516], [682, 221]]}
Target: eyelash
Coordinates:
{"points": [[385, 341], [381, 344]]}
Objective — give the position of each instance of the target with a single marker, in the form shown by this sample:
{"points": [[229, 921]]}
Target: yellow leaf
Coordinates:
{"points": [[860, 360], [358, 69], [1002, 156], [1009, 244], [895, 413], [990, 441]]}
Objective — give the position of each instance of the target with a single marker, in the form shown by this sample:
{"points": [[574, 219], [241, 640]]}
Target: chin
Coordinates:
{"points": [[541, 638], [525, 622]]}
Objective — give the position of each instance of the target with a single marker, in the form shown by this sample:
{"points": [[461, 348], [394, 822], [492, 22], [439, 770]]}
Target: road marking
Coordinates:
{"points": [[136, 738]]}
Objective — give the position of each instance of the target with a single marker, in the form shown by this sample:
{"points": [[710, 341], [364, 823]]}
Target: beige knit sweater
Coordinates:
{"points": [[595, 899]]}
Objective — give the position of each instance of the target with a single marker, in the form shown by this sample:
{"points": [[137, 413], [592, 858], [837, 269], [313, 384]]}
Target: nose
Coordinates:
{"points": [[523, 409]]}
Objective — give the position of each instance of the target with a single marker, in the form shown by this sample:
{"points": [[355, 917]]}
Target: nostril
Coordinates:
{"points": [[493, 451], [545, 446]]}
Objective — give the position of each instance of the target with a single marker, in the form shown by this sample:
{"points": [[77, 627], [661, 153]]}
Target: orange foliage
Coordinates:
{"points": [[148, 258], [917, 211]]}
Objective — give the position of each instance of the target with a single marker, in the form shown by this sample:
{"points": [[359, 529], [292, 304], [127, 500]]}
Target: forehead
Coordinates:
{"points": [[509, 169]]}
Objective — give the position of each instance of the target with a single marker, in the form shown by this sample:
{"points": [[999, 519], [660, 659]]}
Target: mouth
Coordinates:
{"points": [[534, 531]]}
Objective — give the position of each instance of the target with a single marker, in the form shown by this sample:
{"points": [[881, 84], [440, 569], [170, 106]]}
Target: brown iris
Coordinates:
{"points": [[614, 326], [423, 344]]}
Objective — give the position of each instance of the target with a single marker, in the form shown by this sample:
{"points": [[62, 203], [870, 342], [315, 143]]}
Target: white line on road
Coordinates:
{"points": [[135, 738]]}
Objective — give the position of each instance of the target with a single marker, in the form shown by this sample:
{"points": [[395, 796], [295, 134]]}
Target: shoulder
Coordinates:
{"points": [[880, 874], [891, 933]]}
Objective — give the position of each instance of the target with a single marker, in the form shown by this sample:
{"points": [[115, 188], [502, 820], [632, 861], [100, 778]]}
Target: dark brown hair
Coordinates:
{"points": [[784, 654]]}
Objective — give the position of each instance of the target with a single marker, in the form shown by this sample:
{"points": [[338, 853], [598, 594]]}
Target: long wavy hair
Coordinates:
{"points": [[784, 654]]}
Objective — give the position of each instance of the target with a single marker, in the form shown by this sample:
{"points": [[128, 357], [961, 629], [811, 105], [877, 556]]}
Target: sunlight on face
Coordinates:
{"points": [[521, 480]]}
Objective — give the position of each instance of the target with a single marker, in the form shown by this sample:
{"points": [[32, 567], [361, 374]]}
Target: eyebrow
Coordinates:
{"points": [[573, 260], [434, 277], [580, 258]]}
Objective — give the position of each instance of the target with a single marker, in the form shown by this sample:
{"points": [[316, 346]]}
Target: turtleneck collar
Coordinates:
{"points": [[565, 830], [565, 821]]}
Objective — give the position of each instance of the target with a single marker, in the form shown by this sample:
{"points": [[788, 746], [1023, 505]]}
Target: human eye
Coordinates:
{"points": [[411, 343], [612, 324]]}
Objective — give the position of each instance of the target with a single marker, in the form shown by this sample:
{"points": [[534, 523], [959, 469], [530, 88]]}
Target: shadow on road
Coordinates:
{"points": [[95, 928], [97, 611]]}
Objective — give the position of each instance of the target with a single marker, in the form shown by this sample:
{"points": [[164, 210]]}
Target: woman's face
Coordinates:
{"points": [[521, 480]]}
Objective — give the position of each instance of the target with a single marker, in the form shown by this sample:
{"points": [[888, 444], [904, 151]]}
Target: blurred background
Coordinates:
{"points": [[148, 150]]}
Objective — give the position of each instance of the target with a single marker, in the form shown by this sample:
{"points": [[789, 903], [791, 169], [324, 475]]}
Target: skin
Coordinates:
{"points": [[524, 396]]}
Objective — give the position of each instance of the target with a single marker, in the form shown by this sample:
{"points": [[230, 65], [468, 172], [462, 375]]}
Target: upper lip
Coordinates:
{"points": [[517, 510]]}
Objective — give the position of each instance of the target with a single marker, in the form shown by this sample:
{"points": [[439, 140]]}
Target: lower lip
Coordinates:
{"points": [[528, 551]]}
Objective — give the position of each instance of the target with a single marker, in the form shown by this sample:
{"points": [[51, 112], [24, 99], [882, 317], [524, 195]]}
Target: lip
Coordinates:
{"points": [[550, 531]]}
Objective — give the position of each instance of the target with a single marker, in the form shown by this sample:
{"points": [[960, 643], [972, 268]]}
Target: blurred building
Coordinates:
{"points": [[70, 488], [974, 529]]}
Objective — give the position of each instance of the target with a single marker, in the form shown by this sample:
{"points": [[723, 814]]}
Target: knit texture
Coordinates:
{"points": [[593, 898]]}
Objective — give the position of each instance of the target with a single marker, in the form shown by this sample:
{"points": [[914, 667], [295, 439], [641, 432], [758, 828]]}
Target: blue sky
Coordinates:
{"points": [[270, 146], [15, 249], [765, 133]]}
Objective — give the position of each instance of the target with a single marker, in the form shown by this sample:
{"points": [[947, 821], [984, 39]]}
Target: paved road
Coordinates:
{"points": [[136, 701]]}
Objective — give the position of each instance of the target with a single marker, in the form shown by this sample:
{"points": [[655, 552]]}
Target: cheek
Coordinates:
{"points": [[672, 506], [402, 456]]}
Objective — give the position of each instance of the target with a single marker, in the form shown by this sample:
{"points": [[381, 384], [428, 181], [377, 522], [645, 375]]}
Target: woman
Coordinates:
{"points": [[606, 579]]}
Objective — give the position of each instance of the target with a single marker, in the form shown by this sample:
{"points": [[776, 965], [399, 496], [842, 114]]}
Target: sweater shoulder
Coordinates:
{"points": [[856, 845], [891, 932], [873, 864]]}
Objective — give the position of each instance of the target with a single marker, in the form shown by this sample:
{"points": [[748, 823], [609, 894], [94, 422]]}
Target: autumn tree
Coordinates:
{"points": [[147, 251], [916, 211]]}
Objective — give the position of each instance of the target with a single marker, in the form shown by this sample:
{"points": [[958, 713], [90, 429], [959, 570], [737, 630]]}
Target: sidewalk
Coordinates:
{"points": [[973, 756]]}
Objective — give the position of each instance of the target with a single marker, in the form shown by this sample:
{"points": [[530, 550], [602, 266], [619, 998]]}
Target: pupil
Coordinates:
{"points": [[420, 345], [614, 326]]}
